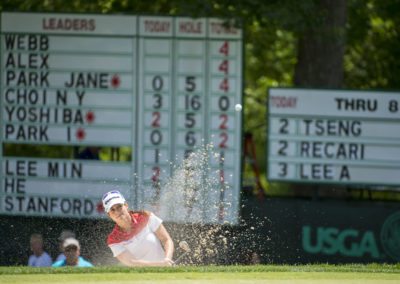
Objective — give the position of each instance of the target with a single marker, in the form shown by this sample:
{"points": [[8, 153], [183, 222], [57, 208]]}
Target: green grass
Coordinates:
{"points": [[363, 274]]}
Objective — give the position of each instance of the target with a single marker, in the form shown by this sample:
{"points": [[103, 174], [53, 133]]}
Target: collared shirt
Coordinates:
{"points": [[81, 263], [61, 256], [40, 261], [141, 242]]}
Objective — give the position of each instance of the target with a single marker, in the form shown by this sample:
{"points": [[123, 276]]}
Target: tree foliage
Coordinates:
{"points": [[372, 59], [272, 30]]}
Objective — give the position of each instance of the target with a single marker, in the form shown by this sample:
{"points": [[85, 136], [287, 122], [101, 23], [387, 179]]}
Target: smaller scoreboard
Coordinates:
{"points": [[332, 136]]}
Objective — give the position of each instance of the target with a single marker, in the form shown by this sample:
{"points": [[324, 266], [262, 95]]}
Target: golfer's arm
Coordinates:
{"points": [[127, 259], [166, 241]]}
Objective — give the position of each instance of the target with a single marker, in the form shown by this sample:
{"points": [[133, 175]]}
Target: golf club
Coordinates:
{"points": [[185, 247]]}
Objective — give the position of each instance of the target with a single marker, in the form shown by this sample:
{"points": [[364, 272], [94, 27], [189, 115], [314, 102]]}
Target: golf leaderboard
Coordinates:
{"points": [[334, 136], [162, 86]]}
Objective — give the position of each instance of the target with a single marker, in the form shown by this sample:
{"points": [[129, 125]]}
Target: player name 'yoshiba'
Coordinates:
{"points": [[332, 150], [43, 115]]}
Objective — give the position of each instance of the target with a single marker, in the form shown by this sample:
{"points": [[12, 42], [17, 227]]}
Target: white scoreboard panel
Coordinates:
{"points": [[162, 86], [332, 136]]}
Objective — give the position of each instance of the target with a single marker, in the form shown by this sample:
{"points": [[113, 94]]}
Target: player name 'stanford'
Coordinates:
{"points": [[62, 205]]}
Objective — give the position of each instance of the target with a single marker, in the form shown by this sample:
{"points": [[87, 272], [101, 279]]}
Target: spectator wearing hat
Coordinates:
{"points": [[65, 234], [72, 251], [39, 258]]}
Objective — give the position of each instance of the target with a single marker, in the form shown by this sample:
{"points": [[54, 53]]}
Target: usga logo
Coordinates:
{"points": [[330, 241], [390, 236]]}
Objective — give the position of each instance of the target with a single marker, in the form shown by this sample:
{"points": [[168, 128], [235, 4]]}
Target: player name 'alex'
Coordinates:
{"points": [[31, 60]]}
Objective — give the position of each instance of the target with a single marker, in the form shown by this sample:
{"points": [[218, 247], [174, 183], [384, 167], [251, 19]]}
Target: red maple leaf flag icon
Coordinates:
{"points": [[115, 81], [80, 134], [90, 116]]}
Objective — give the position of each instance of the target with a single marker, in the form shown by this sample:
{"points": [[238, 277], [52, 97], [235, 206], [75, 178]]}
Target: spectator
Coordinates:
{"points": [[63, 236], [39, 258], [72, 251], [90, 153], [252, 258], [255, 258]]}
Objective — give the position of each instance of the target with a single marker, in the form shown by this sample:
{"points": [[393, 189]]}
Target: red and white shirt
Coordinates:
{"points": [[141, 241]]}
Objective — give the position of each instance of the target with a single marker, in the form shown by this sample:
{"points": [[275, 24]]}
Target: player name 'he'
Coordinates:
{"points": [[88, 80]]}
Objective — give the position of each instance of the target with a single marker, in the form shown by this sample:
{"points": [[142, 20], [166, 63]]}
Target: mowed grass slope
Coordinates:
{"points": [[365, 274]]}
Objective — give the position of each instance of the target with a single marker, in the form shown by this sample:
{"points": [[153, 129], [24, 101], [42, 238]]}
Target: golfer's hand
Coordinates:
{"points": [[168, 261]]}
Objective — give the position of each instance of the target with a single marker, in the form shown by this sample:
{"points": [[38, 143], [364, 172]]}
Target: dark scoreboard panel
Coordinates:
{"points": [[334, 136], [163, 86]]}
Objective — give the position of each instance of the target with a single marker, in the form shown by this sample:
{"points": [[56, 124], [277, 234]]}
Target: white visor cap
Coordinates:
{"points": [[111, 198]]}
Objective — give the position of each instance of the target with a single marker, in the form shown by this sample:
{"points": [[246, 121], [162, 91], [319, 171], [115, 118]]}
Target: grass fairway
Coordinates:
{"points": [[365, 274]]}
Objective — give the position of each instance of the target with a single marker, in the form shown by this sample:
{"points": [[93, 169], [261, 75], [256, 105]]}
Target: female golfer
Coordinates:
{"points": [[139, 237]]}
